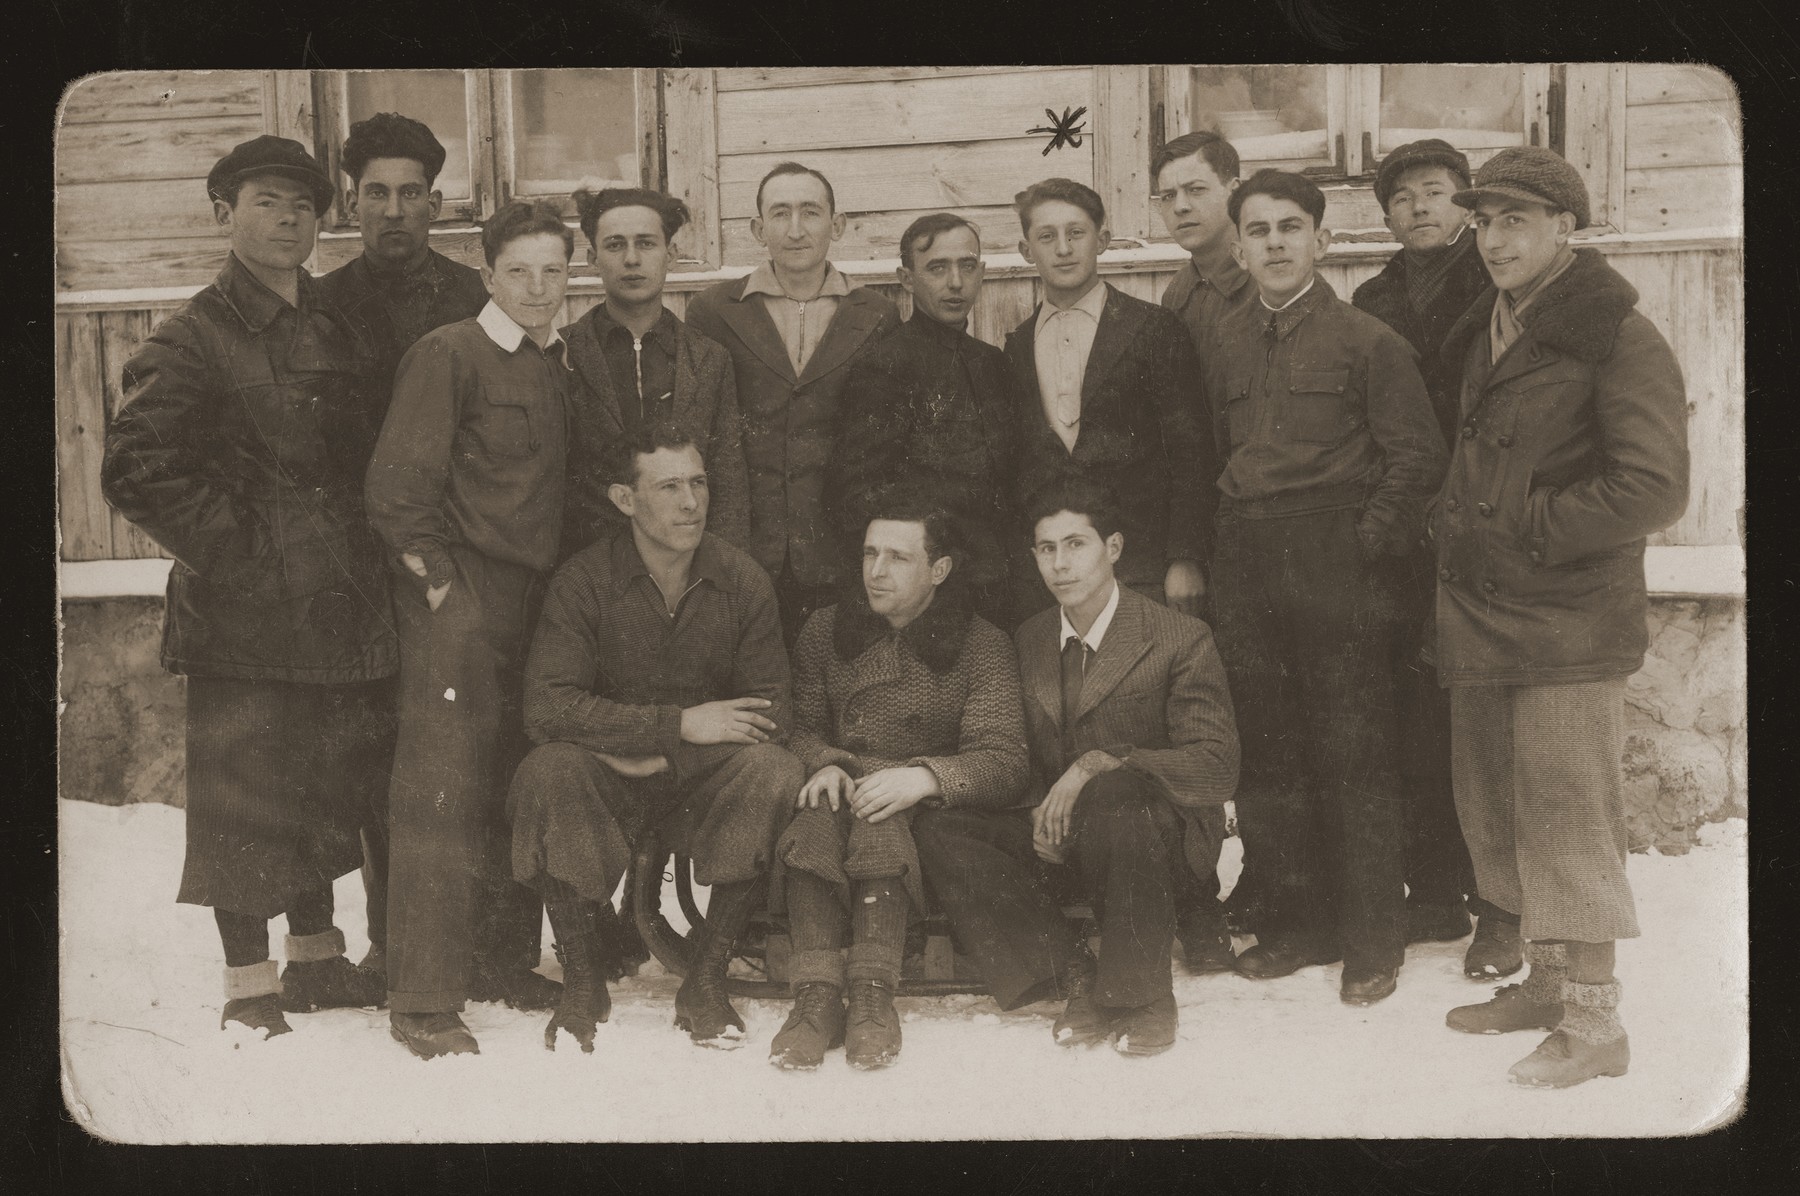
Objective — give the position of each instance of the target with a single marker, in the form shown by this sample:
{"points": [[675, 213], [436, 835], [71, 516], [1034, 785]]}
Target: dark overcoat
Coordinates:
{"points": [[1572, 448], [788, 421], [1384, 297], [240, 449]]}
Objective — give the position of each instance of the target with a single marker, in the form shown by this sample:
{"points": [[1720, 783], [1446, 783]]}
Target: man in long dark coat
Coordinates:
{"points": [[240, 450]]}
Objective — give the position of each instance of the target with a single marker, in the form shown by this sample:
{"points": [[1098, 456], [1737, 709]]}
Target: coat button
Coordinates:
{"points": [[1506, 442], [1485, 509], [1468, 432], [1451, 504], [1488, 587], [1446, 574]]}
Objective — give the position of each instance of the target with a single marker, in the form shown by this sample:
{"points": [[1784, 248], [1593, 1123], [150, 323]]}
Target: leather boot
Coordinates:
{"points": [[1496, 951], [1588, 1042], [872, 1027], [1083, 1021], [1534, 1005], [701, 1006], [253, 999], [584, 1001], [814, 1026]]}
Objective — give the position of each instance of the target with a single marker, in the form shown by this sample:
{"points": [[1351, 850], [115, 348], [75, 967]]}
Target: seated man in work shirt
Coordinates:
{"points": [[657, 692]]}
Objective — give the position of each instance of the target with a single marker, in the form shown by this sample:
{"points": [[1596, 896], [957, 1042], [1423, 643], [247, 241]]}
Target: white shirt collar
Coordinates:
{"points": [[1097, 632], [505, 331], [1090, 305], [1295, 299]]}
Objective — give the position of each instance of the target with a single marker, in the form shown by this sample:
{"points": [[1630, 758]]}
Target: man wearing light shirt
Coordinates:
{"points": [[1330, 450], [467, 488], [793, 328], [1112, 395]]}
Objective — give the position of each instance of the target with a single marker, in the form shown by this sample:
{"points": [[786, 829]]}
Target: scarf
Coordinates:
{"points": [[1428, 271], [1505, 327]]}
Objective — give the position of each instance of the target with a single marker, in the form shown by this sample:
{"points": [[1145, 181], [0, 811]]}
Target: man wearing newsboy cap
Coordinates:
{"points": [[240, 450], [1571, 448]]}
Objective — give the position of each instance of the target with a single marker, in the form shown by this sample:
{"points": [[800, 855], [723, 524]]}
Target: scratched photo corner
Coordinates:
{"points": [[902, 603]]}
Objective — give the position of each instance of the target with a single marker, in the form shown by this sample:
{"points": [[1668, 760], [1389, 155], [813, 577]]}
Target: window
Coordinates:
{"points": [[1340, 121], [530, 134]]}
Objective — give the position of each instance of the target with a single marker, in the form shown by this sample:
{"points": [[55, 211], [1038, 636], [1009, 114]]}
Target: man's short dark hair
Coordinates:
{"points": [[910, 503], [928, 228], [619, 459], [1217, 152], [390, 135], [1078, 496], [523, 218], [781, 168], [1280, 184], [590, 206], [1068, 191]]}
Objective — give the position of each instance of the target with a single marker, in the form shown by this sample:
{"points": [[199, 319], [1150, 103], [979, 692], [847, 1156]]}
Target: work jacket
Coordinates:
{"points": [[1572, 448], [240, 449]]}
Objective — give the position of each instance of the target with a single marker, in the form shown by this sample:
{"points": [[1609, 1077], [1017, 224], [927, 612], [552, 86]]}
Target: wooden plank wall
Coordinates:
{"points": [[1683, 150], [1694, 296], [133, 149], [896, 143]]}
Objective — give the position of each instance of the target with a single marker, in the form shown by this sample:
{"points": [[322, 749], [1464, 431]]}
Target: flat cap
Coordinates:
{"points": [[269, 154], [1431, 151], [1533, 174]]}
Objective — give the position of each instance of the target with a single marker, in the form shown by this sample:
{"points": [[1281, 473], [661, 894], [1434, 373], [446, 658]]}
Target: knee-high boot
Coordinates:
{"points": [[701, 1006]]}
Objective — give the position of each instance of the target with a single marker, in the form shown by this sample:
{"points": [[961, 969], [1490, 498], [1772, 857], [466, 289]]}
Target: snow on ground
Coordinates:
{"points": [[145, 1061]]}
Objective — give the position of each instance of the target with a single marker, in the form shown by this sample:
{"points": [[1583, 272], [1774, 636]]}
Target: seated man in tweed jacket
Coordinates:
{"points": [[906, 710], [657, 692], [1132, 734]]}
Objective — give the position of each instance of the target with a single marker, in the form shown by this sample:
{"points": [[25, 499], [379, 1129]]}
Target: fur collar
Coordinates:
{"points": [[1579, 314], [935, 637]]}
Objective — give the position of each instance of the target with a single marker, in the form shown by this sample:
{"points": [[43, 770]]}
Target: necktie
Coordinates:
{"points": [[1074, 669]]}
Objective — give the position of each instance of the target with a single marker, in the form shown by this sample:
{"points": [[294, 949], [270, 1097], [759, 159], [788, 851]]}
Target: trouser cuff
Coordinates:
{"points": [[312, 948], [252, 980], [437, 1002], [873, 961], [816, 967]]}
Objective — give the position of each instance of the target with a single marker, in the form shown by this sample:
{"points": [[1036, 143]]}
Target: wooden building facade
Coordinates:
{"points": [[1658, 145]]}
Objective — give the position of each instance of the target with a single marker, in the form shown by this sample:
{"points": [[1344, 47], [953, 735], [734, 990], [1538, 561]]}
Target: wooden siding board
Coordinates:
{"points": [[692, 152], [1686, 134], [160, 95], [135, 211], [1684, 197], [1590, 92], [994, 107], [1121, 155], [142, 150], [1676, 83], [113, 265], [763, 78], [80, 439], [885, 178], [120, 333]]}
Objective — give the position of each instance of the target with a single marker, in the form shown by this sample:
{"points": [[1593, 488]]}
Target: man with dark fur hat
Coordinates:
{"points": [[395, 291], [1571, 449], [240, 450], [1419, 294]]}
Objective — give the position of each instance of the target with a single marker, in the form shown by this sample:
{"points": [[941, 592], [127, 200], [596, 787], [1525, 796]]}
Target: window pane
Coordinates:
{"points": [[1471, 107], [1272, 115], [435, 97], [571, 123]]}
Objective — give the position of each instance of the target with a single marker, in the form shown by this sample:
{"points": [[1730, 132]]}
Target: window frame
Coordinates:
{"points": [[488, 109]]}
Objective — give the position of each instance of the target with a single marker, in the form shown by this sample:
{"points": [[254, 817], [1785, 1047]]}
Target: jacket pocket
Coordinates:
{"points": [[505, 428], [1317, 408], [1240, 414]]}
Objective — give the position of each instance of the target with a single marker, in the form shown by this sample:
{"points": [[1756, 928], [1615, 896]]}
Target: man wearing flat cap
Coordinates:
{"points": [[1571, 448], [1419, 294], [240, 450]]}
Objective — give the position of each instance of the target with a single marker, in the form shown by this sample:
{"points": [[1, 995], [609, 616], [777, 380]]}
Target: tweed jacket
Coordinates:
{"points": [[240, 449], [1572, 449], [1141, 432], [943, 692], [1384, 297], [704, 402], [1155, 697], [788, 421]]}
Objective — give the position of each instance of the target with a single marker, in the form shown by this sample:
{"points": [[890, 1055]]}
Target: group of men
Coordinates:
{"points": [[474, 601]]}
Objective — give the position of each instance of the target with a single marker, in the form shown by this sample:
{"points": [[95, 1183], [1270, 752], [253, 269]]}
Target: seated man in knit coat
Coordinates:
{"points": [[906, 711]]}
